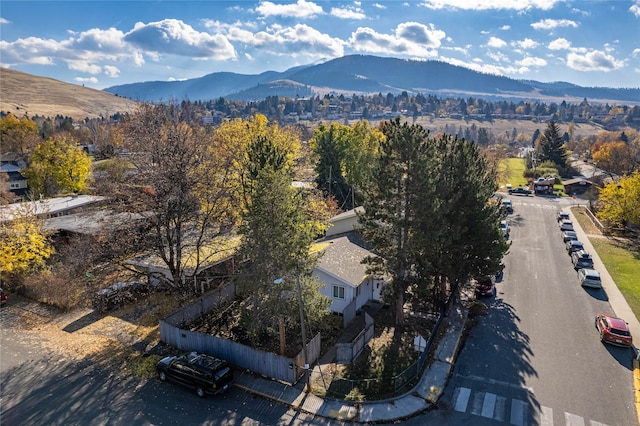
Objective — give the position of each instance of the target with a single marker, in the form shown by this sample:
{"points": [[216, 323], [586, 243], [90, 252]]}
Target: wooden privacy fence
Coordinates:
{"points": [[346, 353], [266, 363]]}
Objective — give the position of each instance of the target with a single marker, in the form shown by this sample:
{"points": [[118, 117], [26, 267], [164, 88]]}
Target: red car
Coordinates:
{"points": [[485, 286], [613, 330]]}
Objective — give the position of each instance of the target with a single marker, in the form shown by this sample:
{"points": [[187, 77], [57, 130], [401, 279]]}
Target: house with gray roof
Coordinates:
{"points": [[346, 280], [16, 182]]}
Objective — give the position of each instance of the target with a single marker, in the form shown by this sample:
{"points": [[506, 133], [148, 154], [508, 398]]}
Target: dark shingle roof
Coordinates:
{"points": [[343, 256]]}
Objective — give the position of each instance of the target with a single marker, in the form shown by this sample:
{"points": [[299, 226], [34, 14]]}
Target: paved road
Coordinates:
{"points": [[39, 387], [536, 358]]}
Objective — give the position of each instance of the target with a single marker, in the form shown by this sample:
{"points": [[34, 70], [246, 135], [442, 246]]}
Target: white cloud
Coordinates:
{"points": [[635, 52], [549, 24], [498, 56], [348, 13], [593, 61], [527, 43], [478, 65], [172, 36], [111, 71], [300, 40], [379, 6], [505, 27], [496, 42], [31, 50], [236, 33], [532, 61], [91, 80], [84, 67], [420, 34], [109, 41], [4, 21], [490, 4], [560, 44], [300, 9], [410, 39], [635, 9], [464, 50]]}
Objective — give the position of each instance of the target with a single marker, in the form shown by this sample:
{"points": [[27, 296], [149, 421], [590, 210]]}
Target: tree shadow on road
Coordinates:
{"points": [[503, 349]]}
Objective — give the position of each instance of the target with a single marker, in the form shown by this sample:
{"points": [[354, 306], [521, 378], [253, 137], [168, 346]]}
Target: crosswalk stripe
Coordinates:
{"points": [[546, 416], [492, 406], [518, 412], [476, 403], [462, 400], [498, 413], [488, 405], [573, 420]]}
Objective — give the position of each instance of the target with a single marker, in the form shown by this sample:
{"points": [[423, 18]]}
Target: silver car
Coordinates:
{"points": [[589, 278], [566, 225]]}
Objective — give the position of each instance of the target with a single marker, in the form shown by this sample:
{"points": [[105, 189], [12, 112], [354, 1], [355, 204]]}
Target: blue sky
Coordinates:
{"points": [[102, 44]]}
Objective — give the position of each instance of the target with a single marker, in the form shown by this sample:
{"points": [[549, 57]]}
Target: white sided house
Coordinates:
{"points": [[344, 222], [346, 281]]}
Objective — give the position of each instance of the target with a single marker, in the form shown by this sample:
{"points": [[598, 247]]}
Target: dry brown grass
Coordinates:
{"points": [[585, 221], [23, 93]]}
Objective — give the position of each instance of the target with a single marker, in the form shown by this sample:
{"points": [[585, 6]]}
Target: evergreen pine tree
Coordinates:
{"points": [[551, 146]]}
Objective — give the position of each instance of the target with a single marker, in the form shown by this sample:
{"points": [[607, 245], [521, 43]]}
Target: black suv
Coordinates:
{"points": [[204, 373]]}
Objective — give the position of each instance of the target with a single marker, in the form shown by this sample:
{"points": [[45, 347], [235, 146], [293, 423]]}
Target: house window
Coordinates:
{"points": [[14, 185], [338, 292]]}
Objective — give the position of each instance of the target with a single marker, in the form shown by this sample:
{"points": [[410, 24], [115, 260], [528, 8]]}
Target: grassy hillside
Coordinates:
{"points": [[22, 93]]}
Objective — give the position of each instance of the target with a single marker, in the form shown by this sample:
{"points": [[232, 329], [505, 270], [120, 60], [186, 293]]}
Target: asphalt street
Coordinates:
{"points": [[536, 358]]}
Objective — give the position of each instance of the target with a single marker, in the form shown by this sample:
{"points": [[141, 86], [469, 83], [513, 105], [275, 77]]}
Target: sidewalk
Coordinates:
{"points": [[416, 400]]}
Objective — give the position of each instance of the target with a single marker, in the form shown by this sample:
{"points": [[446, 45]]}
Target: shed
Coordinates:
{"points": [[576, 185]]}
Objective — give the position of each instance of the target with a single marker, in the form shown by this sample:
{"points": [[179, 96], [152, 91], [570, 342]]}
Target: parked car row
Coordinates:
{"points": [[612, 330]]}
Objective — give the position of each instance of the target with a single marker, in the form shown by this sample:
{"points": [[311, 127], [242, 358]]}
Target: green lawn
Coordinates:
{"points": [[621, 260], [511, 170], [623, 264]]}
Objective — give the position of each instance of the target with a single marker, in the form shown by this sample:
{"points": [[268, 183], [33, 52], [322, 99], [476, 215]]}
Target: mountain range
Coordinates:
{"points": [[369, 75]]}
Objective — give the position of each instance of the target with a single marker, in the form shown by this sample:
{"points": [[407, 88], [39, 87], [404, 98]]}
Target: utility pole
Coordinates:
{"points": [[304, 335]]}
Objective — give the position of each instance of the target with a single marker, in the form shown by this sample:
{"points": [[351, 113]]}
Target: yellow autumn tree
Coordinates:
{"points": [[24, 245], [18, 135], [621, 201], [233, 138], [58, 165], [616, 157]]}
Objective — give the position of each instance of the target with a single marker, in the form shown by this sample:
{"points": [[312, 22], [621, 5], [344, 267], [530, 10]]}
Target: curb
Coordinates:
{"points": [[636, 385]]}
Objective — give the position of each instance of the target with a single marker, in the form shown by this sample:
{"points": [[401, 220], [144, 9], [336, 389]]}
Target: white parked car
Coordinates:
{"points": [[504, 226], [589, 278], [566, 225]]}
